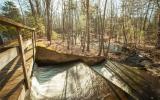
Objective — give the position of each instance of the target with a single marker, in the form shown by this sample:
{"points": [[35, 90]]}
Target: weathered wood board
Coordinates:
{"points": [[134, 82], [7, 21], [7, 56], [12, 76]]}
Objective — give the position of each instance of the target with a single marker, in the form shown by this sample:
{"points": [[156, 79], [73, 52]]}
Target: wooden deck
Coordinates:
{"points": [[16, 63], [12, 76]]}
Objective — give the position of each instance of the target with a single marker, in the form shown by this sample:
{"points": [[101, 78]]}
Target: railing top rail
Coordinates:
{"points": [[7, 21]]}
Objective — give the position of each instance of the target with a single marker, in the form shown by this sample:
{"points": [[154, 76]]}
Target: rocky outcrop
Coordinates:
{"points": [[45, 56]]}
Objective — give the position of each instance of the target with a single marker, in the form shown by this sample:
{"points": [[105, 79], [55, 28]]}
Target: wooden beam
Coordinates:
{"points": [[33, 45], [35, 38], [7, 21], [22, 94], [23, 60]]}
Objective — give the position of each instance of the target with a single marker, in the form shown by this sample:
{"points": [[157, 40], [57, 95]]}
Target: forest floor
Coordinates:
{"points": [[58, 45], [149, 52]]}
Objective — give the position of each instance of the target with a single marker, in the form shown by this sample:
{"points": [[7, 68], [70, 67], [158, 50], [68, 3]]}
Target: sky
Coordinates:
{"points": [[57, 3], [2, 2]]}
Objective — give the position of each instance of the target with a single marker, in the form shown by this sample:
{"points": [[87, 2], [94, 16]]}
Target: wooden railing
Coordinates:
{"points": [[19, 26]]}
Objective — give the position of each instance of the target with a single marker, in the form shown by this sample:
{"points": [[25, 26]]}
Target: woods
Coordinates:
{"points": [[80, 49], [91, 24]]}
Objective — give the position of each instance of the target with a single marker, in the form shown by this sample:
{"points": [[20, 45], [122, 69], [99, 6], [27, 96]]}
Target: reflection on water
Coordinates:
{"points": [[72, 82]]}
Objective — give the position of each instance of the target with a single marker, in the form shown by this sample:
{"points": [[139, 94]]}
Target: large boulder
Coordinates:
{"points": [[45, 56]]}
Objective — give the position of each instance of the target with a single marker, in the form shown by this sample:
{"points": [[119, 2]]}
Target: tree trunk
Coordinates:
{"points": [[37, 2], [158, 34], [33, 11], [102, 30], [32, 7], [49, 21], [87, 27], [124, 34]]}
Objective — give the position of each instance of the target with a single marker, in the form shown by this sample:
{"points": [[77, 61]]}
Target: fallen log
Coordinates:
{"points": [[45, 56]]}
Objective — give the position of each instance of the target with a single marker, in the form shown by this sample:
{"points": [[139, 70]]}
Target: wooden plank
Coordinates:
{"points": [[14, 96], [33, 44], [35, 38], [13, 93], [11, 83], [29, 55], [129, 81], [22, 94], [23, 60], [114, 79], [14, 72], [7, 56], [135, 85], [29, 72], [7, 21], [16, 77]]}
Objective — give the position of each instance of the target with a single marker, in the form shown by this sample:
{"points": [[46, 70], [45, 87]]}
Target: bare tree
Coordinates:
{"points": [[87, 25], [49, 19], [103, 29], [158, 33]]}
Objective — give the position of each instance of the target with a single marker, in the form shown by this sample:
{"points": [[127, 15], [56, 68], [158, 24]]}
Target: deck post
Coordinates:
{"points": [[20, 40], [35, 38], [33, 44]]}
